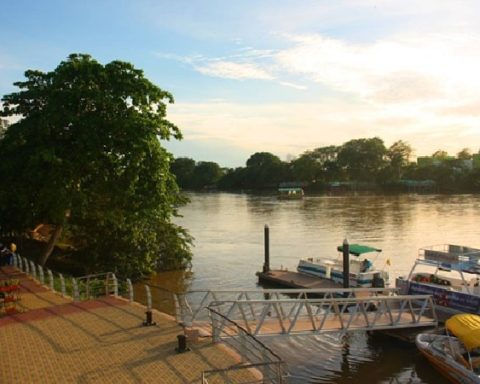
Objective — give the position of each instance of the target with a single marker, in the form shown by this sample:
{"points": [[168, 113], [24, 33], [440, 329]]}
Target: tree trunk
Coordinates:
{"points": [[51, 244]]}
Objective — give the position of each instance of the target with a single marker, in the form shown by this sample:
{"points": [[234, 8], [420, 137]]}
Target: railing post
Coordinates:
{"points": [[14, 259], [115, 284], [62, 285], [130, 290], [75, 293], [19, 263], [33, 270], [148, 319], [215, 330], [50, 279], [41, 275], [243, 346], [25, 263]]}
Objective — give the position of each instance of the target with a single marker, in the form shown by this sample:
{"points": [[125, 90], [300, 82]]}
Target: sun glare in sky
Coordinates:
{"points": [[275, 76]]}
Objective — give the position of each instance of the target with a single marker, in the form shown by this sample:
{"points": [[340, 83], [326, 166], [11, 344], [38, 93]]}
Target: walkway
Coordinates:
{"points": [[56, 340]]}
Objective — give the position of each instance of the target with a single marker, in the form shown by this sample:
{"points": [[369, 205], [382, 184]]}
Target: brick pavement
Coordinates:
{"points": [[55, 340]]}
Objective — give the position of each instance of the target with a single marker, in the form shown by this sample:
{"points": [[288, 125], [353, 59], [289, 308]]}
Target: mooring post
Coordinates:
{"points": [[346, 264], [266, 263]]}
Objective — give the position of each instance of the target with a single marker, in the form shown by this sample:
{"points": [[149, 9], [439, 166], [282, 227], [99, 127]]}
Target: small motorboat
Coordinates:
{"points": [[457, 354], [363, 271]]}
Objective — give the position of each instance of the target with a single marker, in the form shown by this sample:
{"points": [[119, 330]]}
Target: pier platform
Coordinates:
{"points": [[52, 339], [291, 279]]}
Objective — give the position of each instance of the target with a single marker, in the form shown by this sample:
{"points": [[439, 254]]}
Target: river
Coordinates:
{"points": [[228, 232]]}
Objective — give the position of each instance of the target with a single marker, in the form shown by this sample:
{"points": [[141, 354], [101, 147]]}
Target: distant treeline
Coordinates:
{"points": [[359, 162]]}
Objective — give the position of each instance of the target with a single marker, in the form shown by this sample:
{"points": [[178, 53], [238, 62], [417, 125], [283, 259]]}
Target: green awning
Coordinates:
{"points": [[357, 249]]}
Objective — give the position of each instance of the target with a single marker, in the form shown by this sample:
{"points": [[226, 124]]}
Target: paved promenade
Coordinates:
{"points": [[55, 340]]}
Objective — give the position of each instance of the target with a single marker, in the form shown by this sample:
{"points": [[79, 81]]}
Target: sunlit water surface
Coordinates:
{"points": [[228, 232]]}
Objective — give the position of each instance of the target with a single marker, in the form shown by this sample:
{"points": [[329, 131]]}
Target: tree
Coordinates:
{"points": [[399, 155], [264, 170], [464, 154], [362, 159], [183, 169], [86, 156], [206, 174]]}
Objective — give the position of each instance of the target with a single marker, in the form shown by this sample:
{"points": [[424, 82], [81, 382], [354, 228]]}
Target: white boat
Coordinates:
{"points": [[456, 355], [451, 274], [363, 271]]}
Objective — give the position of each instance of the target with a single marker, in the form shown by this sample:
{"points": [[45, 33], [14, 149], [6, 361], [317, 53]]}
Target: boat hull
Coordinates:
{"points": [[454, 371], [447, 302], [363, 280]]}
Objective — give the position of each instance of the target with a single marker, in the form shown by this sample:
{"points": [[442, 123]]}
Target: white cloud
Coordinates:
{"points": [[292, 128], [233, 70]]}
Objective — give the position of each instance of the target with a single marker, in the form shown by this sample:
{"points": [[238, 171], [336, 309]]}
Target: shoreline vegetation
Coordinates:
{"points": [[358, 165], [85, 161]]}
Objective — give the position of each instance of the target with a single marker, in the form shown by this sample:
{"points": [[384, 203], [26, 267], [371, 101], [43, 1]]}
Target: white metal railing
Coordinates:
{"points": [[81, 288], [264, 366], [306, 316], [192, 305]]}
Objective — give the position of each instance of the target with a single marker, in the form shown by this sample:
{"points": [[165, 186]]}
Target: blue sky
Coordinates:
{"points": [[276, 76]]}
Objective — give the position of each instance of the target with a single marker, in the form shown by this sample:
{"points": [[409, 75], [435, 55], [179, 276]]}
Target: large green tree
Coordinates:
{"points": [[86, 156], [362, 159]]}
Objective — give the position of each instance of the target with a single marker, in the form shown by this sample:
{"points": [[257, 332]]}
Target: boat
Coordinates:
{"points": [[363, 272], [457, 354], [290, 193], [450, 273]]}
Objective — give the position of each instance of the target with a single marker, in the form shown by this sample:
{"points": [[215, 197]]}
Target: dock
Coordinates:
{"points": [[290, 279]]}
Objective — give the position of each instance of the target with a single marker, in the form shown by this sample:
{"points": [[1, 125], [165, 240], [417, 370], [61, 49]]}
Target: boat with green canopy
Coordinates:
{"points": [[364, 270], [455, 355]]}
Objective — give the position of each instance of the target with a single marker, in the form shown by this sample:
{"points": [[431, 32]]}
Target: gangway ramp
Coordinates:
{"points": [[300, 313]]}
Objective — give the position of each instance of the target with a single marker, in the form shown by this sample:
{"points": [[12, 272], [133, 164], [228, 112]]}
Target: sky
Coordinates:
{"points": [[274, 76]]}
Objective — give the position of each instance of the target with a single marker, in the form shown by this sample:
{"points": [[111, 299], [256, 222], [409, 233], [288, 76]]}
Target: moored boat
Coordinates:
{"points": [[362, 272], [451, 274], [290, 193], [455, 355]]}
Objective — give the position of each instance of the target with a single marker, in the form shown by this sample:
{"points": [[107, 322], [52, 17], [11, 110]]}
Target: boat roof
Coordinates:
{"points": [[358, 249], [451, 257], [285, 189], [466, 327]]}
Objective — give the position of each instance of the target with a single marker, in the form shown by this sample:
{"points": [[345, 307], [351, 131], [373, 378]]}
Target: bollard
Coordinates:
{"points": [[148, 314], [266, 264], [182, 344], [346, 264]]}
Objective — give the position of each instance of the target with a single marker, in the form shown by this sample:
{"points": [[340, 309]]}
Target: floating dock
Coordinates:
{"points": [[290, 279]]}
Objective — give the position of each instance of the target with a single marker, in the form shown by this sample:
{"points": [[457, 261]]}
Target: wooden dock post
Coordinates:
{"points": [[346, 264], [266, 263]]}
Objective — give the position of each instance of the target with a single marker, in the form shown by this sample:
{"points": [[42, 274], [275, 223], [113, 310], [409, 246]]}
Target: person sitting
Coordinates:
{"points": [[366, 265]]}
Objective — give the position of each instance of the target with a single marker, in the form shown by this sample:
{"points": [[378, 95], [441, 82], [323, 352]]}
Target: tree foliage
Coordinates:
{"points": [[86, 156]]}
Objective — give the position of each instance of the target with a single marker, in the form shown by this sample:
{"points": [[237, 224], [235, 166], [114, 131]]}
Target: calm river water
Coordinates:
{"points": [[228, 231]]}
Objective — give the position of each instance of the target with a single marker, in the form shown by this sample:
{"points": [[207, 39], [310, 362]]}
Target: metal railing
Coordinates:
{"points": [[258, 363], [306, 316], [80, 288], [192, 305]]}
